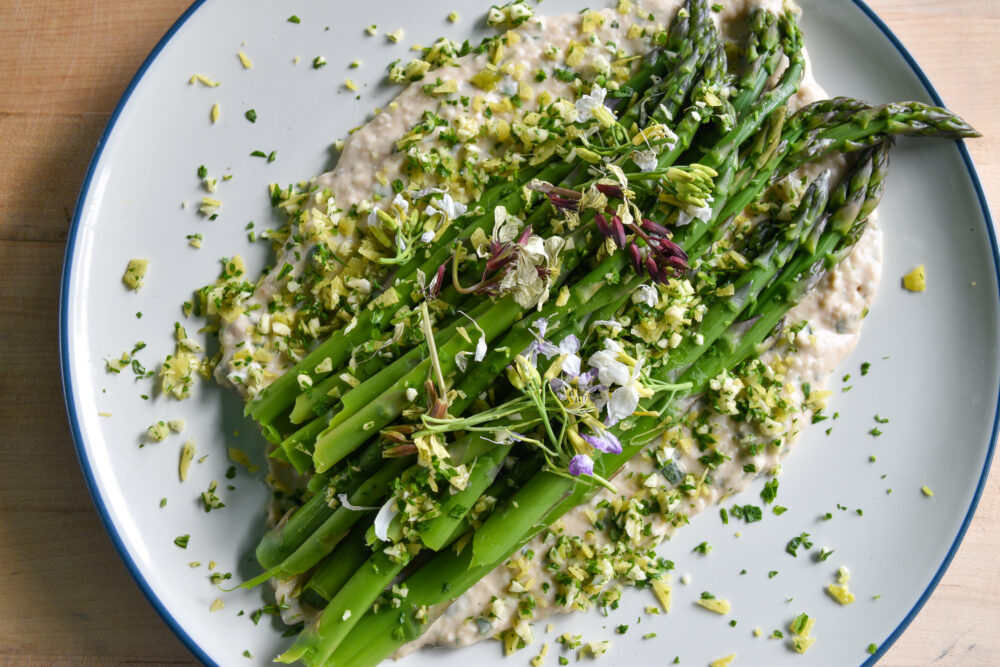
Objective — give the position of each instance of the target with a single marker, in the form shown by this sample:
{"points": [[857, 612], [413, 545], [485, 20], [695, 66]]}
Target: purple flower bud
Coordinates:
{"points": [[564, 203], [654, 227], [438, 280], [610, 190], [618, 231], [581, 464], [635, 256], [671, 249], [654, 270], [605, 441], [676, 263], [602, 225]]}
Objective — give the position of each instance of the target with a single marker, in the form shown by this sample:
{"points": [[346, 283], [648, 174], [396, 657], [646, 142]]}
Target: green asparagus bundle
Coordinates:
{"points": [[469, 423]]}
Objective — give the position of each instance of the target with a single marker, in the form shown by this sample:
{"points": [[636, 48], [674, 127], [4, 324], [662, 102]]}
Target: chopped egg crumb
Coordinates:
{"points": [[135, 272], [915, 280], [723, 662], [187, 455], [215, 113], [202, 79], [926, 490], [718, 605], [217, 605], [245, 60]]}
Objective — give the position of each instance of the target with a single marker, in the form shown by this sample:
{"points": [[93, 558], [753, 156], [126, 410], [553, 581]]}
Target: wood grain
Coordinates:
{"points": [[67, 598]]}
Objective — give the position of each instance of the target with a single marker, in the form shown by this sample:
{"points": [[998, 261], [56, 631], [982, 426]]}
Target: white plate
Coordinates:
{"points": [[935, 368]]}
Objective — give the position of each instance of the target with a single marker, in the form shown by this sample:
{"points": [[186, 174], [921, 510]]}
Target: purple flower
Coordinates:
{"points": [[604, 441], [581, 464]]}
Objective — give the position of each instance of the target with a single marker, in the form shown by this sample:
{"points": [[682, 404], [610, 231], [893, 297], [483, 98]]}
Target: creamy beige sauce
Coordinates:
{"points": [[834, 309]]}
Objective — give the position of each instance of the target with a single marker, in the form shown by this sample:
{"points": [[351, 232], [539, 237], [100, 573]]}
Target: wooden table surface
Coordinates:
{"points": [[66, 596]]}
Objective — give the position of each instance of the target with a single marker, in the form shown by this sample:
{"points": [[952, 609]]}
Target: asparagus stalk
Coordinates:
{"points": [[449, 574]]}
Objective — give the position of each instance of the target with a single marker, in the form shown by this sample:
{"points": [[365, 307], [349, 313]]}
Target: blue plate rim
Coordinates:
{"points": [[78, 439]]}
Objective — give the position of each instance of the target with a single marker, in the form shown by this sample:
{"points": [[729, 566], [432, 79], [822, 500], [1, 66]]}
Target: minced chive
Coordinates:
{"points": [[251, 115], [182, 541], [294, 19]]}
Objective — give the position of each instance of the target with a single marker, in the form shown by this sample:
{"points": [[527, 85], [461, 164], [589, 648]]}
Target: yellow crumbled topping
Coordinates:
{"points": [[135, 272], [718, 605], [840, 593], [245, 60], [453, 17], [187, 455], [217, 605], [215, 113], [926, 490], [539, 659], [624, 7], [103, 414], [202, 79], [802, 644], [396, 36], [158, 431], [176, 425], [662, 591], [843, 575], [372, 30], [915, 280], [239, 456], [350, 85], [591, 21], [723, 662], [757, 632], [355, 64], [209, 206]]}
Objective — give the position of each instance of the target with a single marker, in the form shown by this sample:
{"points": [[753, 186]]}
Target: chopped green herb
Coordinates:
{"points": [[163, 502], [778, 510], [770, 491], [824, 554], [319, 61], [875, 432], [881, 420], [865, 367], [872, 649], [251, 115], [703, 548], [294, 19], [772, 574], [182, 541], [796, 542]]}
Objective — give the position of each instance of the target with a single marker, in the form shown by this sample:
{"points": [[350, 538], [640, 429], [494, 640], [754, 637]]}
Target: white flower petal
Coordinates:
{"points": [[342, 497], [384, 519], [623, 402]]}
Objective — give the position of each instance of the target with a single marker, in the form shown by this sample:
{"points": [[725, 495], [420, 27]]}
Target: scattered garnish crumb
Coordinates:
{"points": [[158, 431], [355, 64], [686, 579], [103, 414], [396, 36], [840, 593], [239, 456], [319, 61], [453, 17], [202, 79], [926, 490], [182, 541], [176, 425], [872, 649], [187, 455], [163, 502], [350, 84], [915, 280], [215, 113], [135, 272], [718, 605], [723, 662], [662, 590], [245, 60], [801, 628], [372, 30], [757, 632], [247, 653], [217, 605], [539, 659], [294, 19]]}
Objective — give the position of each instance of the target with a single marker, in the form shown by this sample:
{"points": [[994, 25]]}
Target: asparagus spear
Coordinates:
{"points": [[449, 574]]}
